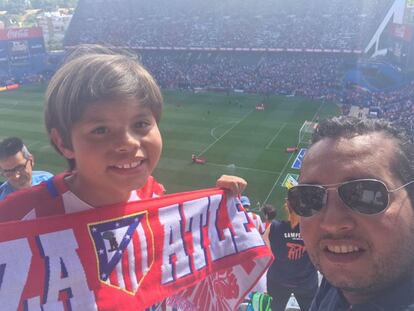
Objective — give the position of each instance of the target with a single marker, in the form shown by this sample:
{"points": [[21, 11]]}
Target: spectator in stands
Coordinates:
{"points": [[292, 270], [358, 223], [16, 165], [257, 221], [195, 24], [269, 213]]}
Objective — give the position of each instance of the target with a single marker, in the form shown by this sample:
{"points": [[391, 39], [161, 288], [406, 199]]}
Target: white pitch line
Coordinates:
{"points": [[244, 168], [287, 162], [212, 132], [224, 134], [277, 180], [215, 128], [276, 135]]}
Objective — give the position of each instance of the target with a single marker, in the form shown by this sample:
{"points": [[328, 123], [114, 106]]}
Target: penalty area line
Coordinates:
{"points": [[224, 134], [242, 168], [276, 135]]}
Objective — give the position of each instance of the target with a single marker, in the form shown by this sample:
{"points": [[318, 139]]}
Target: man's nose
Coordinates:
{"points": [[336, 216]]}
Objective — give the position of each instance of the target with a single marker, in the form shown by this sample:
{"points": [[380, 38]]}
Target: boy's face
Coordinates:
{"points": [[116, 146]]}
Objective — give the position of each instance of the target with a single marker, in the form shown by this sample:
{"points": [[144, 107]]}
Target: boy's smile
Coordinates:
{"points": [[116, 146]]}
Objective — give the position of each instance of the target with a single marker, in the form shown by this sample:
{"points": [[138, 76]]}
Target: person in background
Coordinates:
{"points": [[101, 114], [269, 213], [291, 271], [257, 221], [16, 166], [358, 223]]}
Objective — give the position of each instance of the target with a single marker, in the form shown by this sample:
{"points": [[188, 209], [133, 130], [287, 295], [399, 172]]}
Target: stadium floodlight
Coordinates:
{"points": [[306, 131]]}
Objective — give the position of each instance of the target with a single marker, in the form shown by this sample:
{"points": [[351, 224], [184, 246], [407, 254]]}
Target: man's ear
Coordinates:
{"points": [[60, 145], [31, 158]]}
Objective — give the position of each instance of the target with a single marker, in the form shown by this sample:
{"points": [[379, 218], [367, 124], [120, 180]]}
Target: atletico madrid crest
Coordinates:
{"points": [[124, 249]]}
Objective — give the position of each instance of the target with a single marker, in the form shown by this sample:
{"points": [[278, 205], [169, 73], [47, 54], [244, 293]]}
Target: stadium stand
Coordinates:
{"points": [[227, 24], [281, 47]]}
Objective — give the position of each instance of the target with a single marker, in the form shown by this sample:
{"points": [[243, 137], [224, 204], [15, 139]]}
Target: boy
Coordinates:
{"points": [[101, 113]]}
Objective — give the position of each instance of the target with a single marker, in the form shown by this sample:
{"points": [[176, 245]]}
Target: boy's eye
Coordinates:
{"points": [[100, 130], [142, 124]]}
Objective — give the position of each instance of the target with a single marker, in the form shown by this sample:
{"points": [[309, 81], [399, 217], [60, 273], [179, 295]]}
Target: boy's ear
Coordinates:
{"points": [[58, 142]]}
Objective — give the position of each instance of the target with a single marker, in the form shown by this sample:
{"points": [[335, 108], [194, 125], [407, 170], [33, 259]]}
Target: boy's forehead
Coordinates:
{"points": [[106, 108]]}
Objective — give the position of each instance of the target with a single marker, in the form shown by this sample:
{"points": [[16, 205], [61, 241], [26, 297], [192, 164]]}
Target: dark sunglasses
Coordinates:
{"points": [[365, 196], [19, 169]]}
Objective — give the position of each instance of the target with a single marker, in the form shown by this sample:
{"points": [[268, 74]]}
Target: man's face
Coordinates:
{"points": [[360, 254], [17, 170]]}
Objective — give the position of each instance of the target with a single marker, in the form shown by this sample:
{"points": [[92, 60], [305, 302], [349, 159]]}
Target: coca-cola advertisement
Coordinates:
{"points": [[18, 47], [20, 33], [22, 46]]}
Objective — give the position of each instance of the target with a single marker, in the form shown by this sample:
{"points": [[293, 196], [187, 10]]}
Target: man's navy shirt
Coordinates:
{"points": [[397, 298]]}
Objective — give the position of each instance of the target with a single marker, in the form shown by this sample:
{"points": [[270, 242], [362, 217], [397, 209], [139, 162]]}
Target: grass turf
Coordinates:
{"points": [[224, 129]]}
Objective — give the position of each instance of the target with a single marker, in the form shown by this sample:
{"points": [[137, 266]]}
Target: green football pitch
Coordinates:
{"points": [[226, 130]]}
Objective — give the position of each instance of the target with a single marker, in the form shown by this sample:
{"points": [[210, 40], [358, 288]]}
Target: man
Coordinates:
{"points": [[16, 165], [356, 202]]}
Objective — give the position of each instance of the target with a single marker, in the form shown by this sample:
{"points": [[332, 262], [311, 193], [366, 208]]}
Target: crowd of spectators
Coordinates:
{"points": [[318, 24], [300, 74], [285, 73], [279, 24], [396, 106]]}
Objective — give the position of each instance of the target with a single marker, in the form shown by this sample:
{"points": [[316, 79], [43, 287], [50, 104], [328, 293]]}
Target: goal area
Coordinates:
{"points": [[306, 131]]}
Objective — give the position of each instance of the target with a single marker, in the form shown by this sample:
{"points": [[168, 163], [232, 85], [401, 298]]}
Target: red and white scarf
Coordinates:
{"points": [[196, 250]]}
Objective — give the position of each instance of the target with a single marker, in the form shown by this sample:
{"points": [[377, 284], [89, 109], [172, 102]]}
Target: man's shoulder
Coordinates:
{"points": [[18, 204], [328, 298], [279, 225], [39, 176], [5, 190], [40, 198], [398, 298], [276, 223]]}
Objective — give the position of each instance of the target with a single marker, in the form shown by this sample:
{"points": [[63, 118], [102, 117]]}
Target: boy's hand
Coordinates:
{"points": [[232, 183]]}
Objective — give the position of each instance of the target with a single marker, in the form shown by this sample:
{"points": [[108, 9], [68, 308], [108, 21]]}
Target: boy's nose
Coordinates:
{"points": [[127, 142]]}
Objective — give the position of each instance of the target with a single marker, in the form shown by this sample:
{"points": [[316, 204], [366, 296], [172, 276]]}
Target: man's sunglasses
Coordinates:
{"points": [[365, 196], [19, 169]]}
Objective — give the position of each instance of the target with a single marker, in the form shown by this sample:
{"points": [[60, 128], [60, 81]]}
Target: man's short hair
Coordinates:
{"points": [[11, 146], [348, 127]]}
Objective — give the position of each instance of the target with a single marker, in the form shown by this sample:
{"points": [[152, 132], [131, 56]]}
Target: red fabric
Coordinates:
{"points": [[186, 247], [18, 204]]}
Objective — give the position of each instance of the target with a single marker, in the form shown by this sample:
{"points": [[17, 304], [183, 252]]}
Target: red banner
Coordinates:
{"points": [[196, 251], [20, 33], [12, 86]]}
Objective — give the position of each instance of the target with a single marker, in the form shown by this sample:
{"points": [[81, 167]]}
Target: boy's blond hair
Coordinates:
{"points": [[96, 77]]}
